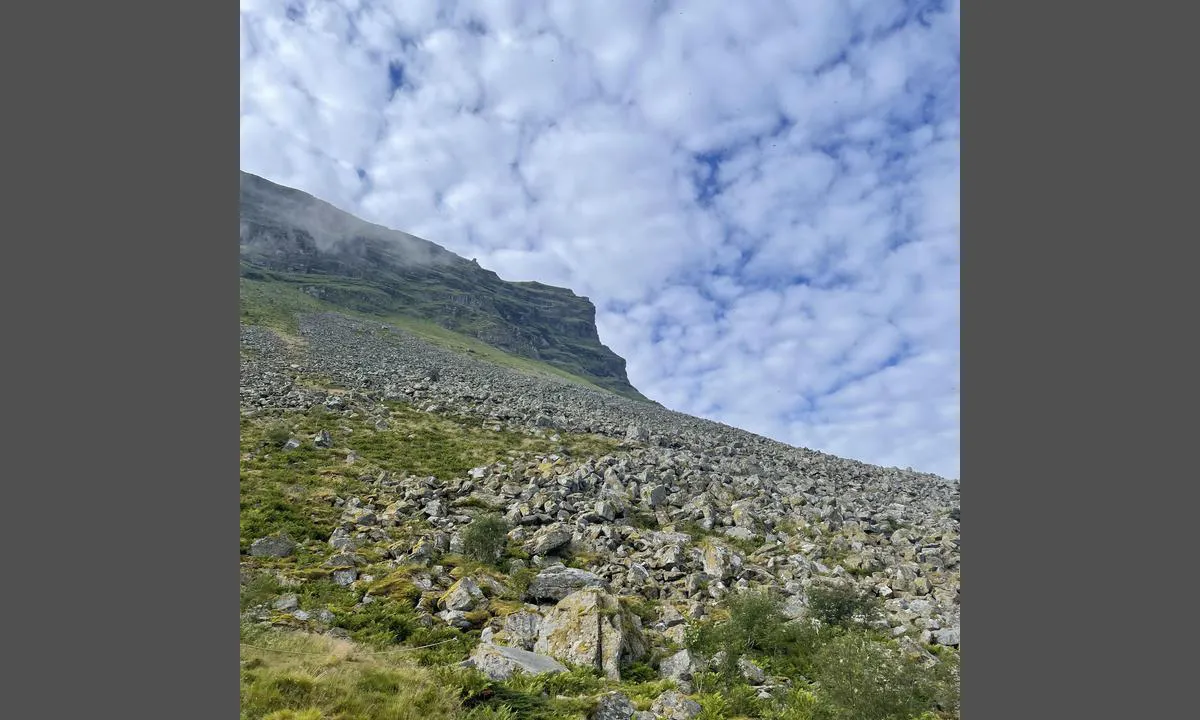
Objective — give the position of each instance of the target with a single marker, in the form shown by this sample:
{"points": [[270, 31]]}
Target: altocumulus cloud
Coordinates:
{"points": [[762, 198]]}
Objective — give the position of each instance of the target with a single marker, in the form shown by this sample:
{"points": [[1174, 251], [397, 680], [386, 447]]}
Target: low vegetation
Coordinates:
{"points": [[838, 670]]}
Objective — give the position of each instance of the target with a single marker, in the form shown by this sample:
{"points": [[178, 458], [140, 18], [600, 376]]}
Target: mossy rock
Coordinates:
{"points": [[396, 586]]}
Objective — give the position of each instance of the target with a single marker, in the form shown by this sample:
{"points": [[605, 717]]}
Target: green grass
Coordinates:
{"points": [[307, 677], [275, 304]]}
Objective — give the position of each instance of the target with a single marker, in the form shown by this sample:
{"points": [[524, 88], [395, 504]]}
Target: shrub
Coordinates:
{"points": [[756, 627], [485, 539], [841, 604], [865, 679]]}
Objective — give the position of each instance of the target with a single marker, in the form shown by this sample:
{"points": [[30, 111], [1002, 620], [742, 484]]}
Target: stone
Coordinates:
{"points": [[345, 576], [465, 595], [681, 667], [500, 662], [273, 546], [947, 636], [591, 628], [548, 539], [521, 628], [558, 581], [457, 618], [322, 439], [751, 672], [286, 603], [720, 562], [673, 705], [614, 706], [654, 495], [740, 533]]}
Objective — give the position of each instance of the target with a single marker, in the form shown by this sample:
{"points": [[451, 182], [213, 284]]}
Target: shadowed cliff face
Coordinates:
{"points": [[288, 236]]}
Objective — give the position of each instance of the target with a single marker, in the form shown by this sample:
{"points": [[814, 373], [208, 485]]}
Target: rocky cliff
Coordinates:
{"points": [[290, 237]]}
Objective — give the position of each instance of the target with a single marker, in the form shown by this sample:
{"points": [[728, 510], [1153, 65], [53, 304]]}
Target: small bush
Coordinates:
{"points": [[842, 604], [485, 539], [278, 434], [756, 627], [865, 679]]}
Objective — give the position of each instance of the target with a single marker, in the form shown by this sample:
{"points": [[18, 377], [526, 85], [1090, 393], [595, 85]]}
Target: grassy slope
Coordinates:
{"points": [[275, 304], [412, 309]]}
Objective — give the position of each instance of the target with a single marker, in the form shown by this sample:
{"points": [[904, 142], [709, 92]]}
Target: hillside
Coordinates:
{"points": [[436, 527]]}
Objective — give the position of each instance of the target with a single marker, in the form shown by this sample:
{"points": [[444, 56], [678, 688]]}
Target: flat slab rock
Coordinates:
{"points": [[500, 662]]}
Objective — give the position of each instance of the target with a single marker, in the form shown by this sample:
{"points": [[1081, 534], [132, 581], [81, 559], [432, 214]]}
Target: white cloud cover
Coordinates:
{"points": [[762, 199]]}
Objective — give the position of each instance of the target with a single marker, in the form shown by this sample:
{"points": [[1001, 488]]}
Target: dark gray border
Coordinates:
{"points": [[121, 274], [1068, 590]]}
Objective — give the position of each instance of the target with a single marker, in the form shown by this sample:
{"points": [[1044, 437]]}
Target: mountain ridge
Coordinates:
{"points": [[292, 237]]}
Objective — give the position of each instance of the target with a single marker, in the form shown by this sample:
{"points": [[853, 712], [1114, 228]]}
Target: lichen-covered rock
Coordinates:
{"points": [[548, 539], [720, 562], [464, 595], [500, 662], [521, 628], [273, 546], [558, 581], [673, 705], [614, 706], [591, 628]]}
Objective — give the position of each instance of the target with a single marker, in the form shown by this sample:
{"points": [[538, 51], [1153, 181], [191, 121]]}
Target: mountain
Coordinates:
{"points": [[433, 527], [295, 239]]}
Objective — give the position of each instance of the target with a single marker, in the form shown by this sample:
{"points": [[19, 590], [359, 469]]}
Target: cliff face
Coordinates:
{"points": [[291, 237]]}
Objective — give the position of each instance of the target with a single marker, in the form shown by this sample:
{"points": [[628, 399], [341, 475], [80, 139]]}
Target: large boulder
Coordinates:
{"points": [[464, 595], [591, 628], [500, 663], [558, 581], [548, 539]]}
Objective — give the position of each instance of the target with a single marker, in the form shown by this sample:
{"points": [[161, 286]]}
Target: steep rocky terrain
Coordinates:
{"points": [[291, 238], [622, 536]]}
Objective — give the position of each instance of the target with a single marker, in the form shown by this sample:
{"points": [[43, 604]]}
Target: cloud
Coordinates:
{"points": [[761, 199]]}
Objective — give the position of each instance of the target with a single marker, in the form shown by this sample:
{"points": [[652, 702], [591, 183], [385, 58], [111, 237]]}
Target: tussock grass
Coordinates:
{"points": [[287, 675]]}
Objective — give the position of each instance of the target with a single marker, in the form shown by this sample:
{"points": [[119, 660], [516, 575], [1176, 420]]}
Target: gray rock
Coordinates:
{"points": [[548, 539], [654, 495], [681, 666], [614, 706], [287, 602], [345, 576], [455, 618], [751, 672], [740, 533], [521, 628], [947, 636], [500, 662], [558, 581], [322, 439], [465, 595], [673, 705], [592, 629], [273, 546]]}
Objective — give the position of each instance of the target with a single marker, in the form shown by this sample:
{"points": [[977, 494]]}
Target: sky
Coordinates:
{"points": [[761, 198]]}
